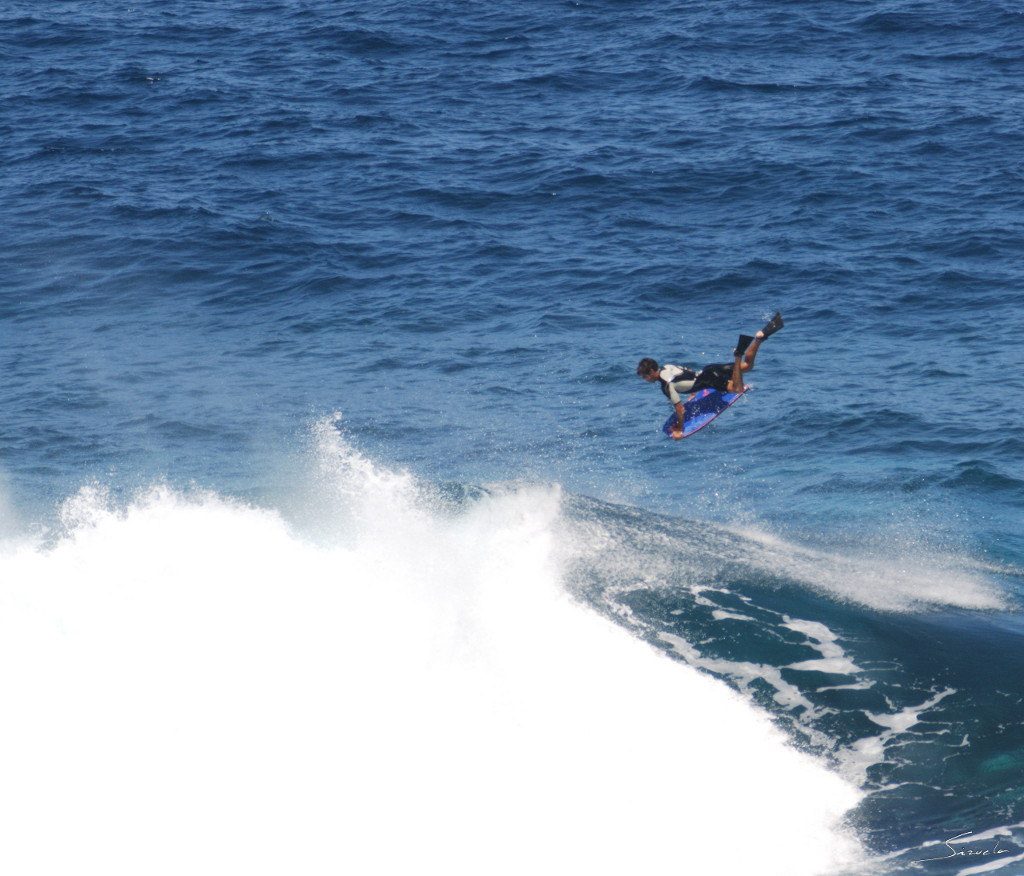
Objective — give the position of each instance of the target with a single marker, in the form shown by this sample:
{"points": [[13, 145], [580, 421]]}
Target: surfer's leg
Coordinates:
{"points": [[774, 324], [745, 353], [748, 359], [736, 383]]}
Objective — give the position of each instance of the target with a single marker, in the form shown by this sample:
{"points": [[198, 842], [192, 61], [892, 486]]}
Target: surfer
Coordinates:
{"points": [[676, 381]]}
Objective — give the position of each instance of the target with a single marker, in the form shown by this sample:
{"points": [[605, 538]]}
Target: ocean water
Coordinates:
{"points": [[337, 533]]}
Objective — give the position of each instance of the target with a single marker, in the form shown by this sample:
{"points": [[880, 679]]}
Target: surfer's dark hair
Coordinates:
{"points": [[646, 366]]}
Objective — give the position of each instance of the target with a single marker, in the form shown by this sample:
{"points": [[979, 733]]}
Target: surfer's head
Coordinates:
{"points": [[648, 369]]}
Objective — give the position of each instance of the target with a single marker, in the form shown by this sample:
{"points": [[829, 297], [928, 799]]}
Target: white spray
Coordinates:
{"points": [[188, 685]]}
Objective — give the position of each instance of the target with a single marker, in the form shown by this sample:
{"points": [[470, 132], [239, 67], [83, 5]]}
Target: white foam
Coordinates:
{"points": [[899, 574], [855, 760], [743, 673], [720, 614], [833, 658], [190, 686]]}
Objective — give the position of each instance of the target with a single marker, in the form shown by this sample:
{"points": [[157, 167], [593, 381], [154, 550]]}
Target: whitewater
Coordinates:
{"points": [[198, 685]]}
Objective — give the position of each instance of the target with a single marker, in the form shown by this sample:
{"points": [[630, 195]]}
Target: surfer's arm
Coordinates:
{"points": [[677, 430]]}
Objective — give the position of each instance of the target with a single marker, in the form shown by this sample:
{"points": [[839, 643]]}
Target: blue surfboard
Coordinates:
{"points": [[705, 406]]}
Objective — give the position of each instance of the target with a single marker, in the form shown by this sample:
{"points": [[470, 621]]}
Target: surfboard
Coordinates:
{"points": [[705, 406]]}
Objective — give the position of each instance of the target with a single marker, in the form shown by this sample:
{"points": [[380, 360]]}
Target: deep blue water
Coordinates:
{"points": [[443, 234]]}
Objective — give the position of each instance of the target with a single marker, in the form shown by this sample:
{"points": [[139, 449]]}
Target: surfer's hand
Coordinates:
{"points": [[677, 434]]}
